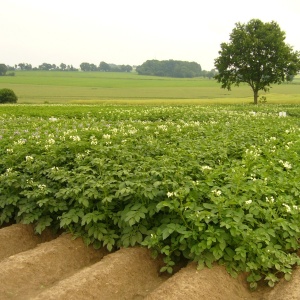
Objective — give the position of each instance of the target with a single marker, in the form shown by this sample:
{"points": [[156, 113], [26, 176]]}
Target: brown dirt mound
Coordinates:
{"points": [[27, 273], [129, 273], [286, 290], [206, 284], [19, 237], [64, 268]]}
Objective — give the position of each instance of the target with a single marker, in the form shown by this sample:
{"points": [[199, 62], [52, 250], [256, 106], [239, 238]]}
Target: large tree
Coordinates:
{"points": [[105, 67], [257, 55], [87, 67], [47, 67], [63, 66], [3, 69]]}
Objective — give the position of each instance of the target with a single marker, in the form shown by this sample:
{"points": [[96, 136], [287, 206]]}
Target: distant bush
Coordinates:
{"points": [[10, 74], [8, 96]]}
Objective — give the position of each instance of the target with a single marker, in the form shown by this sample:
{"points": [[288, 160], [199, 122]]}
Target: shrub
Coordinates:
{"points": [[8, 96], [10, 74]]}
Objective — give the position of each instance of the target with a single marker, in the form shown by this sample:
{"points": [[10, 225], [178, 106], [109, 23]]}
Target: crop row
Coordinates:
{"points": [[200, 183]]}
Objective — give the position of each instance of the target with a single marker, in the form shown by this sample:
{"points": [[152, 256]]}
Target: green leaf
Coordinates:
{"points": [[43, 223], [166, 233], [97, 244], [217, 252], [163, 204], [222, 245], [109, 247], [133, 240], [230, 253], [209, 205], [157, 184], [87, 219], [253, 285], [75, 219], [163, 269], [91, 231], [65, 221], [84, 201], [200, 265], [271, 283], [287, 276]]}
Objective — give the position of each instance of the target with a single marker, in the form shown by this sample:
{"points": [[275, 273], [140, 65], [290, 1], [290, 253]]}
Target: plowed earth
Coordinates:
{"points": [[59, 267]]}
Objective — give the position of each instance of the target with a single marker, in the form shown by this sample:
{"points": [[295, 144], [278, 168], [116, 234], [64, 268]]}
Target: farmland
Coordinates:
{"points": [[93, 154], [204, 183], [38, 87]]}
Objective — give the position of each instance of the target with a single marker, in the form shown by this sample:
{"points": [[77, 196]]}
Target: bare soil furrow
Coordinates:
{"points": [[65, 269], [20, 237], [206, 284], [27, 273], [129, 273], [286, 290]]}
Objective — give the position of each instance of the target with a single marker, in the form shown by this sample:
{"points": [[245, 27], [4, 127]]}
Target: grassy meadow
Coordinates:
{"points": [[40, 87]]}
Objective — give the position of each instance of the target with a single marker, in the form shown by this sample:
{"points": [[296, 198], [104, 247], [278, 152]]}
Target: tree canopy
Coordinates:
{"points": [[3, 69], [8, 96], [170, 68], [104, 67], [257, 55]]}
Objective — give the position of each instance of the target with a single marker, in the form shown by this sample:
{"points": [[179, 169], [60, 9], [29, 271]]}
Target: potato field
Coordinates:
{"points": [[194, 183]]}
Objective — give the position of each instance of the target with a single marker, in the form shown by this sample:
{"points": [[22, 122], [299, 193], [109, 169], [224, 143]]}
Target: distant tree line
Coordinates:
{"points": [[43, 67], [28, 67], [86, 67], [168, 68], [3, 71], [104, 67], [209, 74]]}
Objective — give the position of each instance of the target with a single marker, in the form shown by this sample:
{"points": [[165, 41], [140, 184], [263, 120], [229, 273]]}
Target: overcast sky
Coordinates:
{"points": [[131, 31]]}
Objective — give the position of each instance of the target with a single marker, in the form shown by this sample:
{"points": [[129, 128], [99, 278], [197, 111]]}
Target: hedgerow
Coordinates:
{"points": [[209, 184]]}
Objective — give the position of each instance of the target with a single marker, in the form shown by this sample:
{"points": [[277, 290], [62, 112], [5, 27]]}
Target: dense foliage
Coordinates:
{"points": [[42, 67], [3, 69], [186, 72], [104, 67], [8, 96], [205, 183], [170, 68], [257, 55]]}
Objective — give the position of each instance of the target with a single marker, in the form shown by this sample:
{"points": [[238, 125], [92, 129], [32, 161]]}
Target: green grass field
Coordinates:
{"points": [[37, 87]]}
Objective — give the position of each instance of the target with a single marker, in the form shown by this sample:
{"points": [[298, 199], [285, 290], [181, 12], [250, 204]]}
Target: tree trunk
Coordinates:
{"points": [[255, 97]]}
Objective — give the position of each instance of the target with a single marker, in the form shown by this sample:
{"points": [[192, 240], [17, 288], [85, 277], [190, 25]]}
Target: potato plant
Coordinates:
{"points": [[209, 184]]}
